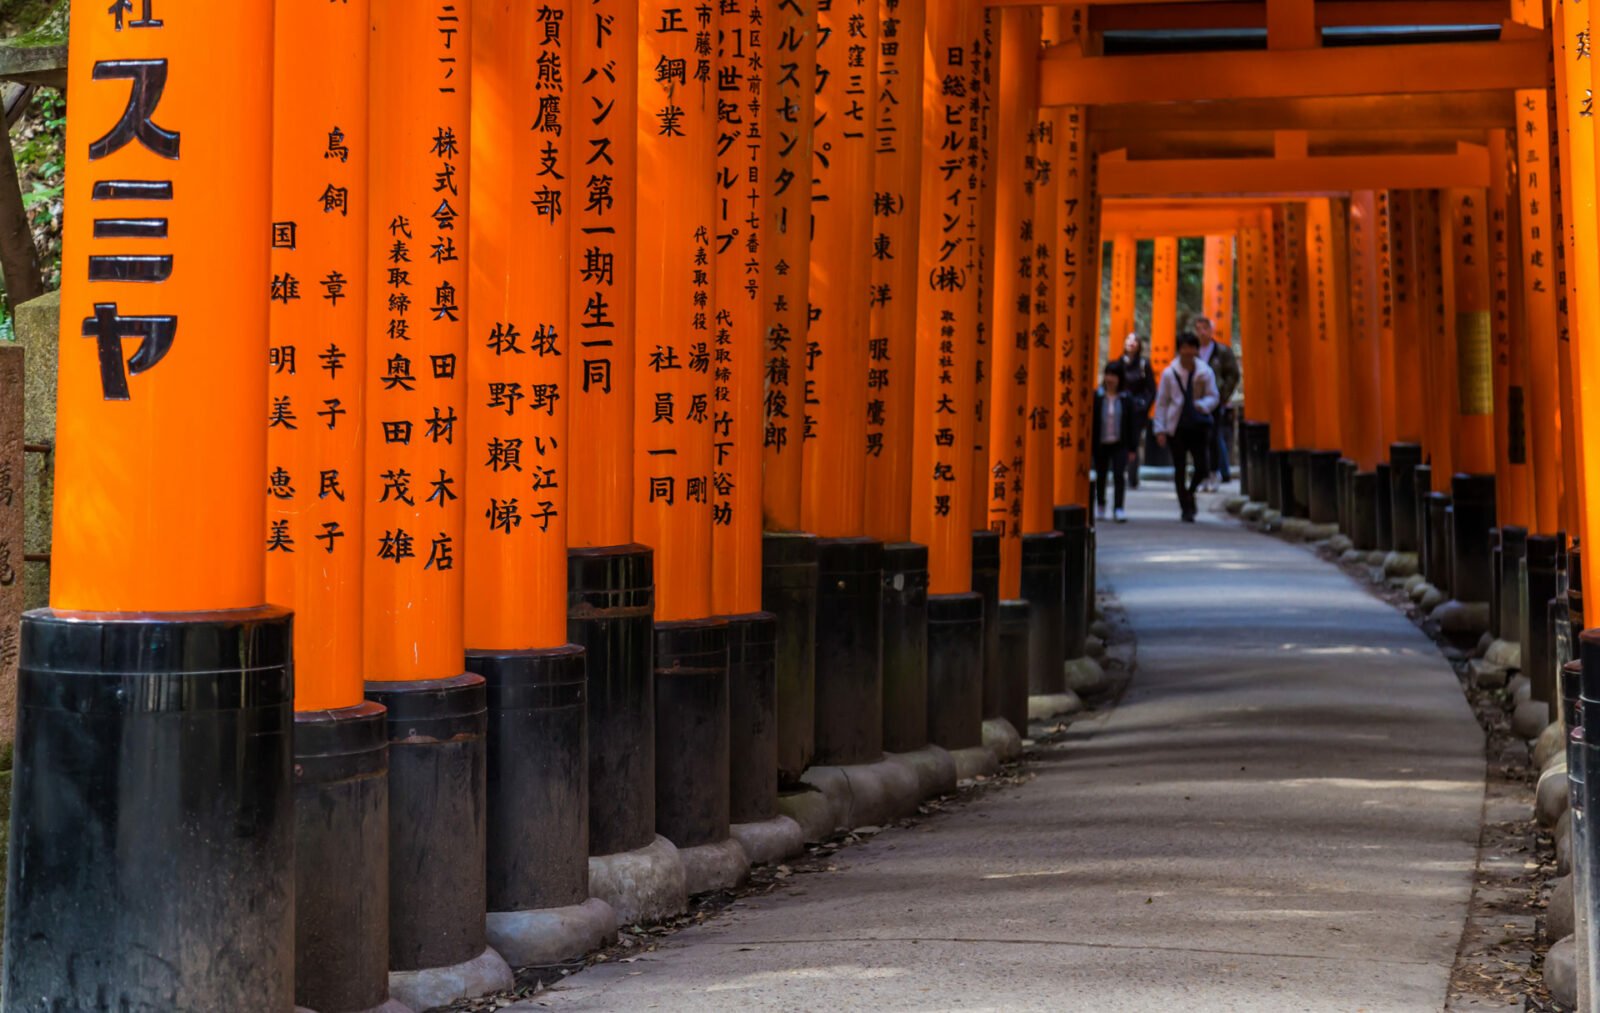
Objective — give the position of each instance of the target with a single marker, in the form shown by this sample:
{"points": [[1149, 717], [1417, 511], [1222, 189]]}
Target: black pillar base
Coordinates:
{"points": [[537, 825], [1436, 555], [1044, 587], [1403, 461], [341, 858], [150, 809], [1322, 486], [849, 725], [1421, 489], [1297, 491], [692, 731], [1472, 500], [1512, 549], [1363, 490], [1016, 634], [905, 646], [789, 592], [438, 772], [1539, 590], [1575, 586], [986, 582], [1344, 470], [752, 718], [1077, 594], [955, 670], [611, 615], [1257, 438], [1277, 464], [1383, 508]]}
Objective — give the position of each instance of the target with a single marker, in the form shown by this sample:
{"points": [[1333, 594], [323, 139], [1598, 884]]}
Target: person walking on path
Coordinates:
{"points": [[1226, 366], [1184, 403], [1139, 383], [1114, 426]]}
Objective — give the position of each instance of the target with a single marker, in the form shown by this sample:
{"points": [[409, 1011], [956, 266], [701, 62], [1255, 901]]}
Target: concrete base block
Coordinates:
{"points": [[1084, 677], [1321, 532], [1551, 795], [1400, 564], [1252, 511], [1505, 653], [551, 935], [1410, 584], [1098, 628], [1551, 743], [1294, 528], [935, 767], [868, 794], [440, 986], [1235, 504], [1271, 520], [1430, 599], [1559, 916], [1561, 971], [644, 885], [1001, 739], [1462, 618], [1518, 688], [812, 810], [1353, 557], [1486, 675], [391, 1006], [1376, 558], [975, 761], [769, 841], [1529, 719], [1094, 647], [722, 865], [1340, 543], [1053, 705]]}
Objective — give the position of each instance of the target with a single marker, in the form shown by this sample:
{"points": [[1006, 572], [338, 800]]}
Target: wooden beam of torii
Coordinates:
{"points": [[1127, 15], [1121, 177], [1520, 59], [1142, 223], [1397, 113]]}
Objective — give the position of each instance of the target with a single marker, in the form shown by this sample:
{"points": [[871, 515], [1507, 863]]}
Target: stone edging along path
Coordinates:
{"points": [[1521, 899], [1111, 643]]}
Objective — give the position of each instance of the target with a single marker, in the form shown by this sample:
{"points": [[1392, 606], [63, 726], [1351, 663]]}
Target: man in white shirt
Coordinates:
{"points": [[1185, 400]]}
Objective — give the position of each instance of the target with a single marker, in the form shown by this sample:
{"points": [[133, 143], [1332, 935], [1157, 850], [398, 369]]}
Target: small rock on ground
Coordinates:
{"points": [[1550, 798]]}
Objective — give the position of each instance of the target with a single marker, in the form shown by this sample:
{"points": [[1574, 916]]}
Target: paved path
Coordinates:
{"points": [[1280, 815]]}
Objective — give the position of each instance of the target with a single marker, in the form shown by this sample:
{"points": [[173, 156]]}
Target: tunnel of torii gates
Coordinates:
{"points": [[642, 406]]}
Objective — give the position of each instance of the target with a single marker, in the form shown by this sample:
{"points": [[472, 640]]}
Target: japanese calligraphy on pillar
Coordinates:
{"points": [[1540, 290], [519, 337], [1038, 433], [1011, 237], [1509, 365], [897, 186], [416, 343], [162, 331], [837, 357], [318, 343], [738, 338], [1124, 261], [676, 292], [947, 309], [602, 84], [1217, 282], [1164, 304], [1474, 331], [786, 275], [980, 69], [1077, 302]]}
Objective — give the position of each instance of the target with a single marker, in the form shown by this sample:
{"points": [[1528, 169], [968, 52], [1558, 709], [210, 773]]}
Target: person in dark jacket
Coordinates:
{"points": [[1139, 383], [1116, 425], [1226, 365]]}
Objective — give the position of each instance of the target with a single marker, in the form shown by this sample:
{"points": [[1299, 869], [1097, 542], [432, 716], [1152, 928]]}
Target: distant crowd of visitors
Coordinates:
{"points": [[1188, 408]]}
